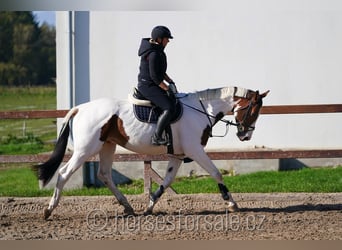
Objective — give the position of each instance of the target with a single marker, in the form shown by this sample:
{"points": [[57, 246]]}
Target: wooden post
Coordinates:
{"points": [[149, 175]]}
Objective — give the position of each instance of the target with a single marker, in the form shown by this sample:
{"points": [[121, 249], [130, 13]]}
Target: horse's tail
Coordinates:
{"points": [[45, 171]]}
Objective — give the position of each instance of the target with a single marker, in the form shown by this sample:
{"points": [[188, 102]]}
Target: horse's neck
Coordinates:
{"points": [[216, 106], [221, 99], [213, 100]]}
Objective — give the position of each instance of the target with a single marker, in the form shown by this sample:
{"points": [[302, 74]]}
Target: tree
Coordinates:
{"points": [[47, 52], [27, 51], [6, 30]]}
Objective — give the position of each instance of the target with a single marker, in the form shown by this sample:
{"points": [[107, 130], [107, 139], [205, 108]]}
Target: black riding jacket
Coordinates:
{"points": [[153, 63]]}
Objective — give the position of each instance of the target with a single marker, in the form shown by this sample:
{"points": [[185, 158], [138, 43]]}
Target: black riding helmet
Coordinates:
{"points": [[161, 32]]}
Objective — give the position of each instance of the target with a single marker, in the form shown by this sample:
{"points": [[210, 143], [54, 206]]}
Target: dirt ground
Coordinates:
{"points": [[201, 216]]}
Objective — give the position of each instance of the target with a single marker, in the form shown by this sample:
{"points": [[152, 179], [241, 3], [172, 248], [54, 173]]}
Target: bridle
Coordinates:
{"points": [[241, 126]]}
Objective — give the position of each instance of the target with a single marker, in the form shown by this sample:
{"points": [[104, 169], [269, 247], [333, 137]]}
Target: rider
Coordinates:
{"points": [[152, 77]]}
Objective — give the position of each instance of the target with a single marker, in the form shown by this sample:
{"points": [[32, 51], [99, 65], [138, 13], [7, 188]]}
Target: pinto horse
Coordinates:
{"points": [[96, 127]]}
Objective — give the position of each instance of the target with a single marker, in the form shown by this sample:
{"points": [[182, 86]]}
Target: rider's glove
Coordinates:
{"points": [[172, 88]]}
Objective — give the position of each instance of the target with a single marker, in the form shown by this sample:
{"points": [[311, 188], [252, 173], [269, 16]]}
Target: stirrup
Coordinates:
{"points": [[157, 141]]}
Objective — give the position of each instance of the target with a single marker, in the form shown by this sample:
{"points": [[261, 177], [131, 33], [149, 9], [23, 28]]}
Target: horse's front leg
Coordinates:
{"points": [[171, 172], [232, 206], [205, 162]]}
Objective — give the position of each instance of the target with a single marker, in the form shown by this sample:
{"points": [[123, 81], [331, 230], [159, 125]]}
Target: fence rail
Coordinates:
{"points": [[150, 174], [267, 110], [226, 155]]}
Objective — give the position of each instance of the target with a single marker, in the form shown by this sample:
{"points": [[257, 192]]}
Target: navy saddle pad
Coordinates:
{"points": [[151, 114]]}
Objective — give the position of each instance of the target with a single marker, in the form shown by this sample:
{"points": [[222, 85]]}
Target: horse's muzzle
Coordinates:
{"points": [[243, 136]]}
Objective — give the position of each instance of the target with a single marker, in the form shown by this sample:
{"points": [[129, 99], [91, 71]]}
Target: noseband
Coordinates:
{"points": [[241, 126]]}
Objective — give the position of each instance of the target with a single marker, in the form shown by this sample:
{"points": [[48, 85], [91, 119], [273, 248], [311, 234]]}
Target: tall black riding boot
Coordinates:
{"points": [[163, 121]]}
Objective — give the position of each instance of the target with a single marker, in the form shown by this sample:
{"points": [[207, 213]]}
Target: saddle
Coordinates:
{"points": [[146, 111]]}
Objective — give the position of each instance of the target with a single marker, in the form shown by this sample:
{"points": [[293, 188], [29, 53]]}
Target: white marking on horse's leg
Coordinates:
{"points": [[55, 197], [232, 206], [171, 172], [57, 192], [105, 175], [64, 174]]}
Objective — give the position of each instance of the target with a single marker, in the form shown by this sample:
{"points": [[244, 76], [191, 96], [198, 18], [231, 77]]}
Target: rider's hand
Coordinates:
{"points": [[173, 88]]}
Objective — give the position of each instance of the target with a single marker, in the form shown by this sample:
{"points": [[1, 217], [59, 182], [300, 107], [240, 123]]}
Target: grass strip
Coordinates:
{"points": [[21, 182]]}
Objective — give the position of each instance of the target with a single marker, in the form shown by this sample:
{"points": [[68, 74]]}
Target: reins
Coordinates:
{"points": [[218, 117]]}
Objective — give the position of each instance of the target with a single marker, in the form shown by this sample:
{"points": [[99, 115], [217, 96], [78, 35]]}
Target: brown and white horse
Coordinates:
{"points": [[96, 127]]}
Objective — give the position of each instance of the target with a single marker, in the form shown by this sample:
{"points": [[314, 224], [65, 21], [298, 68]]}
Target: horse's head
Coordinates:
{"points": [[246, 112]]}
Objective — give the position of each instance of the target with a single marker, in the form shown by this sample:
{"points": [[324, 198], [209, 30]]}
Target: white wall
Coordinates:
{"points": [[72, 35], [291, 47]]}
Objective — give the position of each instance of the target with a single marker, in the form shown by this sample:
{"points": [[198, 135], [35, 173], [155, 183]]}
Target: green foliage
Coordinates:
{"points": [[22, 182], [28, 144], [27, 51], [11, 73]]}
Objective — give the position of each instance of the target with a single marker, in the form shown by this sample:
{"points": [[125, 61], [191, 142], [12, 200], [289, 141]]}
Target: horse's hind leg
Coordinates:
{"points": [[105, 175], [171, 172], [64, 174]]}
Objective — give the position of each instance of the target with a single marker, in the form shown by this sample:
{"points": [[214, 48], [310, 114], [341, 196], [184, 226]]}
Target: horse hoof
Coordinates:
{"points": [[148, 212], [129, 210], [232, 207], [47, 213]]}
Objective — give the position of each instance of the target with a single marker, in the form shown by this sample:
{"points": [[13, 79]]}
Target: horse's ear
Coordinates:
{"points": [[264, 94], [257, 96]]}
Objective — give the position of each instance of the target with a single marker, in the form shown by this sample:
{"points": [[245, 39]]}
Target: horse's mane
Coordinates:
{"points": [[218, 93]]}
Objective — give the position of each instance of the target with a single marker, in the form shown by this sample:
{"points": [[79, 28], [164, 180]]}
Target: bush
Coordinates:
{"points": [[28, 144]]}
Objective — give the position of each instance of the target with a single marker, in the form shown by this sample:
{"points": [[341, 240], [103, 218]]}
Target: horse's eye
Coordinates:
{"points": [[240, 128]]}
